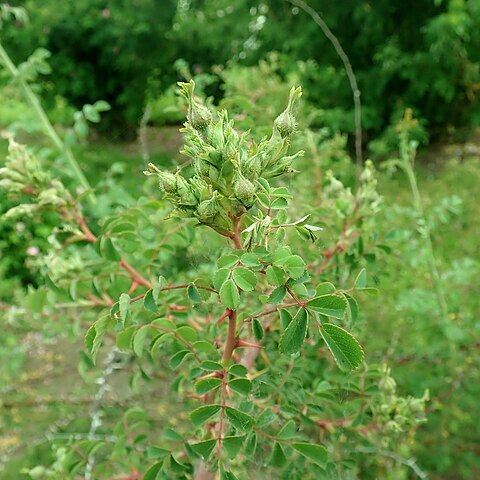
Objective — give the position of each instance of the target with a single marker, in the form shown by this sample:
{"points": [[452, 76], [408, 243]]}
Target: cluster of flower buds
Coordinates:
{"points": [[395, 414], [369, 196], [342, 197], [22, 175], [366, 201], [227, 165]]}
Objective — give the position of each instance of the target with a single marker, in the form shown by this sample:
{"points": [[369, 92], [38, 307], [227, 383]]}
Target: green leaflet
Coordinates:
{"points": [[193, 295], [206, 385], [245, 278], [241, 385], [149, 301], [257, 329], [124, 306], [278, 458], [204, 448], [202, 414], [233, 444], [331, 305], [361, 280], [344, 347], [229, 295], [295, 266], [240, 420], [275, 275], [139, 340], [152, 472], [316, 453], [94, 336], [294, 335]]}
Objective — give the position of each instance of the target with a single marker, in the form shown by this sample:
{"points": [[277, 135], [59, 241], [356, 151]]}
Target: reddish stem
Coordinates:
{"points": [[237, 239], [186, 285], [231, 339], [136, 277], [89, 236], [226, 314]]}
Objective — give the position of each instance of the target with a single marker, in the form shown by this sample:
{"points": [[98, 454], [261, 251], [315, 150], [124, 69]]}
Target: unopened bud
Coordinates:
{"points": [[244, 191], [206, 170], [185, 192], [387, 385], [286, 123], [198, 115], [167, 182], [208, 208], [253, 165]]}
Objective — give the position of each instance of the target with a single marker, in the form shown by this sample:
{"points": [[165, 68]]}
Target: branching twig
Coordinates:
{"points": [[350, 74]]}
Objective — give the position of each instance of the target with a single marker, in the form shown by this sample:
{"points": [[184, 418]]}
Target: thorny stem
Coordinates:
{"points": [[222, 417], [232, 316], [230, 344], [89, 236], [271, 437], [224, 316], [236, 233], [136, 277], [284, 380], [409, 462], [297, 300], [186, 285], [423, 227], [231, 338]]}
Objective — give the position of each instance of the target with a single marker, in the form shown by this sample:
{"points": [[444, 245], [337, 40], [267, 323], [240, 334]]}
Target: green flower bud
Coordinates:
{"points": [[152, 169], [185, 192], [21, 211], [215, 136], [167, 182], [387, 385], [11, 186], [200, 188], [244, 191], [253, 166], [208, 209], [335, 185], [417, 407], [38, 472], [385, 409], [215, 157], [368, 173], [392, 426], [283, 165], [286, 123], [198, 115], [13, 175], [206, 170]]}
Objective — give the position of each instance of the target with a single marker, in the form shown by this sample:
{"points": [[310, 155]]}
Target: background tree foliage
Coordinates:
{"points": [[423, 54]]}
